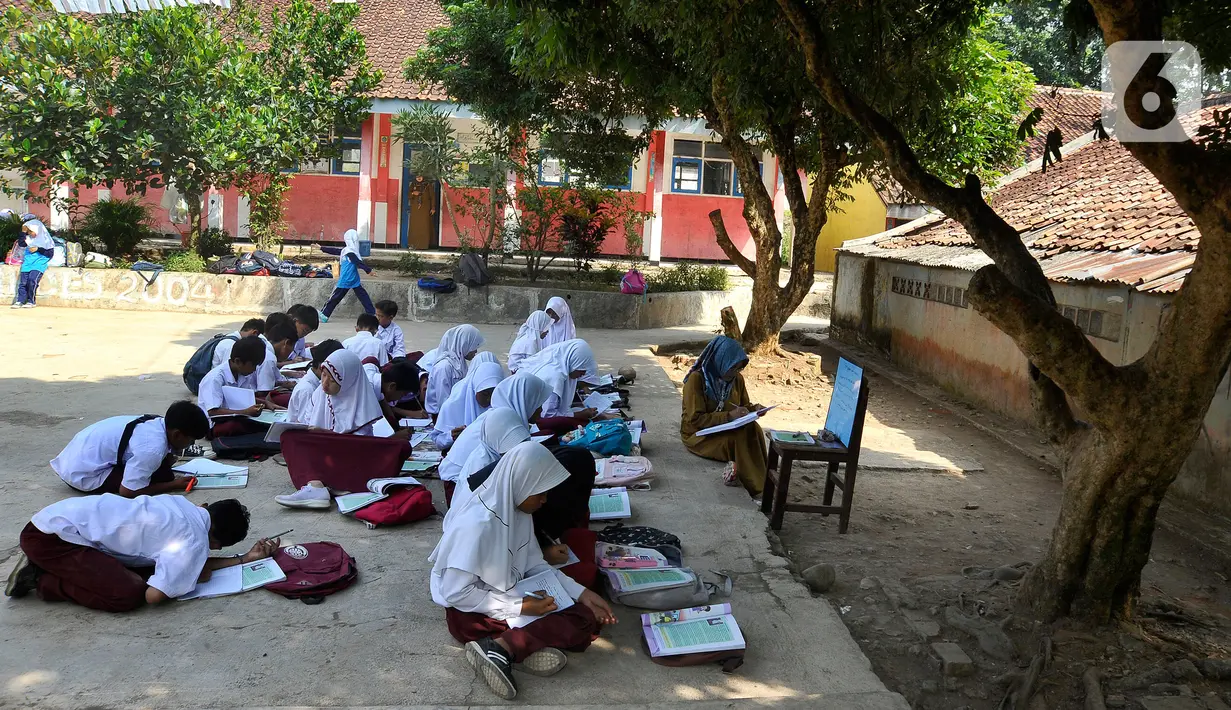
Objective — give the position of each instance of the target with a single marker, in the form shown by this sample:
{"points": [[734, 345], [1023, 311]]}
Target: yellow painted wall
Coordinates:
{"points": [[861, 217]]}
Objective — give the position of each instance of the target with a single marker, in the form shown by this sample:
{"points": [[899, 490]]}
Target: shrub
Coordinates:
{"points": [[214, 242], [118, 226], [411, 264], [185, 261], [686, 276], [10, 231]]}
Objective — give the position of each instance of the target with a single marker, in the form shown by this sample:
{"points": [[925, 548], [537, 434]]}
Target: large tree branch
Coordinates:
{"points": [[1055, 344], [746, 265]]}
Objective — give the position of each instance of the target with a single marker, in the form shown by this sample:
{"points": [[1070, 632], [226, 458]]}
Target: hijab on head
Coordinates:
{"points": [[355, 405], [41, 238], [456, 343], [568, 504], [429, 358], [536, 324], [718, 357], [555, 363], [499, 430], [462, 407], [488, 536], [523, 393], [351, 238], [562, 329]]}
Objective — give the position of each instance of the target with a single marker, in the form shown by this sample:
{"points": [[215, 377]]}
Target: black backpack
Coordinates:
{"points": [[643, 536], [202, 361], [245, 447], [472, 271]]}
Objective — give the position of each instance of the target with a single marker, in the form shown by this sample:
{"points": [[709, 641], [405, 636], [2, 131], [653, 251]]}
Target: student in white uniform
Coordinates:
{"points": [[299, 409], [306, 323], [531, 337], [364, 342], [131, 455], [98, 551], [487, 548], [499, 431], [471, 396], [279, 341], [390, 333], [222, 352], [560, 366], [245, 357], [562, 327], [457, 346]]}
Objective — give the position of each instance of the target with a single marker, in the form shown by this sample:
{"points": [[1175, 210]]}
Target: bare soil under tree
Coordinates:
{"points": [[923, 545]]}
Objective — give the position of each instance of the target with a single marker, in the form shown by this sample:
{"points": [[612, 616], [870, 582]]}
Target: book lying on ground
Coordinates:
{"points": [[270, 416], [237, 398], [792, 437], [378, 489], [635, 427], [301, 365], [611, 556], [601, 402], [572, 560], [274, 435], [233, 480], [610, 504], [237, 579], [206, 467], [381, 428], [415, 423], [542, 583], [735, 423], [700, 629], [644, 580], [417, 466], [606, 380], [432, 456], [541, 438], [418, 437]]}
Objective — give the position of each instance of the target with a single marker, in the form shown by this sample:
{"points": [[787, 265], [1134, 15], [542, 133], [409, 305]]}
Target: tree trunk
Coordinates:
{"points": [[194, 220], [444, 195]]}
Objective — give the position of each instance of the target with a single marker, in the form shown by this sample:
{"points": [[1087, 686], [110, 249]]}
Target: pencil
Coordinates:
{"points": [[275, 537]]}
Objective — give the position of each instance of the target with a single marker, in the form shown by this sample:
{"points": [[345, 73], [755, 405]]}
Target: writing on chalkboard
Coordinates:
{"points": [[841, 416]]}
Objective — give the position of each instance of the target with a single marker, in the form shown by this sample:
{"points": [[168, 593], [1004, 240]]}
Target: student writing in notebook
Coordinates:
{"points": [[471, 396], [390, 333], [487, 548], [299, 409], [457, 346], [364, 342], [392, 386], [714, 393], [117, 554], [273, 387], [246, 356], [131, 455], [306, 322], [251, 327]]}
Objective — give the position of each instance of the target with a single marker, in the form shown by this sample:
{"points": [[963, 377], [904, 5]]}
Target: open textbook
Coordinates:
{"points": [[545, 582], [612, 556], [270, 416], [610, 504], [418, 466], [644, 580], [601, 402], [274, 435], [236, 579], [378, 489], [736, 423], [214, 474], [700, 629], [301, 365], [237, 398]]}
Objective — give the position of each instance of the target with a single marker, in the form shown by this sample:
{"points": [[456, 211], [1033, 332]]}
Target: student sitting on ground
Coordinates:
{"points": [[299, 409], [561, 366], [115, 554], [390, 333], [562, 328], [530, 339], [364, 342], [714, 393], [344, 404], [246, 356], [270, 384], [222, 351], [486, 549], [399, 382], [499, 430], [471, 396], [306, 322], [457, 346], [131, 456]]}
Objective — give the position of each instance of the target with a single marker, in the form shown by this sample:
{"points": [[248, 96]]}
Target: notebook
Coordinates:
{"points": [[214, 474], [418, 437], [237, 579], [274, 435], [635, 427], [748, 418], [302, 365], [378, 489], [547, 583], [572, 560], [611, 556], [644, 580], [601, 402], [237, 398], [610, 504], [415, 423], [792, 437], [700, 629], [270, 417]]}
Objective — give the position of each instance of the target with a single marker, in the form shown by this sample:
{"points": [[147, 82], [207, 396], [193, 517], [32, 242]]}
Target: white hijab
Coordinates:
{"points": [[429, 358], [523, 393], [562, 329], [354, 406], [530, 338], [499, 431], [488, 536], [351, 238], [554, 363], [462, 407], [41, 238], [455, 344]]}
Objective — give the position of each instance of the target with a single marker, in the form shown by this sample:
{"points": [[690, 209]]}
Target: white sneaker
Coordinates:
{"points": [[306, 497], [28, 305], [15, 305], [544, 662]]}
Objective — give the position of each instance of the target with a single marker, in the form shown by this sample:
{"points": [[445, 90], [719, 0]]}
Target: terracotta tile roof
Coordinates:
{"points": [[1072, 110], [394, 30]]}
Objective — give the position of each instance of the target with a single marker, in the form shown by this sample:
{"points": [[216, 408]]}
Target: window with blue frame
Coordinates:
{"points": [[347, 163], [552, 171], [704, 168]]}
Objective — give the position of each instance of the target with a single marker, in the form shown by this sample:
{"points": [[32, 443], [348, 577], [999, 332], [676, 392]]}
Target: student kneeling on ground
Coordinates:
{"points": [[131, 456], [98, 552], [488, 547]]}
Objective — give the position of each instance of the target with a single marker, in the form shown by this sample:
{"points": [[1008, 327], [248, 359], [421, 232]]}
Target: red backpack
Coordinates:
{"points": [[314, 570], [405, 504]]}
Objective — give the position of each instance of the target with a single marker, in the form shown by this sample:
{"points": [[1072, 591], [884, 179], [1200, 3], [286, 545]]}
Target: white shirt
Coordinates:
{"points": [[366, 345], [301, 349], [88, 459], [222, 351], [299, 409], [440, 384], [266, 375], [372, 372], [209, 393], [395, 344], [165, 531], [466, 592]]}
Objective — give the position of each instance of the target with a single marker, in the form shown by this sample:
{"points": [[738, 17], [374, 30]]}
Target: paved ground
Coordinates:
{"points": [[383, 642]]}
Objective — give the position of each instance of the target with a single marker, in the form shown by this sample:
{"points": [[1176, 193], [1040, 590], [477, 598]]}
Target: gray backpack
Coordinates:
{"points": [[695, 594], [471, 270]]}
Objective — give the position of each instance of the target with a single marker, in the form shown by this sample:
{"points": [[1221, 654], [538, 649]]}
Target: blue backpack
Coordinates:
{"points": [[202, 361], [609, 437], [431, 283]]}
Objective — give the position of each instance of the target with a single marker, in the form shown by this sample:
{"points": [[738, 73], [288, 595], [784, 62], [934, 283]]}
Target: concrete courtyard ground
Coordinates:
{"points": [[382, 642]]}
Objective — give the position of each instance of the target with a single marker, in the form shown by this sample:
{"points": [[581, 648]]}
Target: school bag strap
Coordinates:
{"points": [[129, 428], [142, 267]]}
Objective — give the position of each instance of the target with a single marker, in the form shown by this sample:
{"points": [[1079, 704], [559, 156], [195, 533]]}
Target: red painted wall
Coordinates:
{"points": [[321, 207], [688, 233], [153, 197]]}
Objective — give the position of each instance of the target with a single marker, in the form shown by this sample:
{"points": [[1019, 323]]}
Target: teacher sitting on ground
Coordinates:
{"points": [[714, 393]]}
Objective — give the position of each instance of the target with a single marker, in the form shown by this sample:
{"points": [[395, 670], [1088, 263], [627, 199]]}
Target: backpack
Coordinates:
{"points": [[223, 265], [643, 536], [245, 447], [472, 271], [431, 283], [405, 504], [267, 259], [59, 252], [314, 570], [633, 282], [202, 361], [624, 470], [694, 594], [73, 255], [609, 437], [286, 268], [16, 255]]}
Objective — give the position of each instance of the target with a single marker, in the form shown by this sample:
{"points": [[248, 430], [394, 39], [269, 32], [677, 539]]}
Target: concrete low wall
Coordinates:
{"points": [[256, 295]]}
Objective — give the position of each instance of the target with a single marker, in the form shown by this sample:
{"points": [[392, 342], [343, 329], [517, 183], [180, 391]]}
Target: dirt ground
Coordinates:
{"points": [[943, 513]]}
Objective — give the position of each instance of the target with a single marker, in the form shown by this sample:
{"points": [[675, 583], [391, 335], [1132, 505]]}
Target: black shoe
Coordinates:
{"points": [[23, 578], [495, 666], [196, 451]]}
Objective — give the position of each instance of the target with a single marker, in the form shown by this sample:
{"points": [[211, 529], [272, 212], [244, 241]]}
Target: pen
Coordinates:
{"points": [[275, 537], [192, 482], [535, 595]]}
